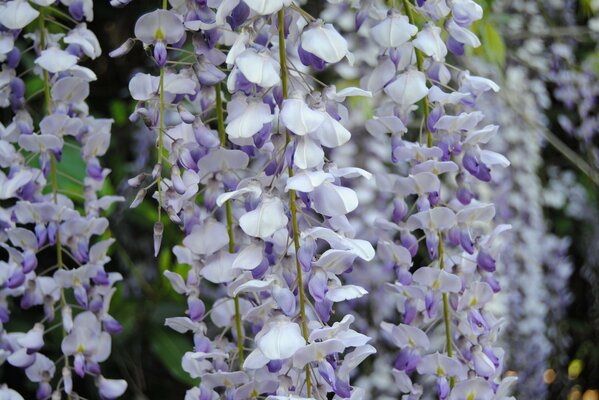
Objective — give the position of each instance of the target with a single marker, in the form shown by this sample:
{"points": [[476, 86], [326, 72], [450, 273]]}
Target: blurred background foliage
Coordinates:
{"points": [[147, 354]]}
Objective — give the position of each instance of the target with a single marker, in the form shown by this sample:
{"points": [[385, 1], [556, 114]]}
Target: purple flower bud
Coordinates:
{"points": [[477, 321], [318, 285], [202, 344], [431, 303], [112, 326], [75, 50], [494, 283], [433, 199], [13, 58], [79, 365], [470, 164], [485, 261], [93, 368], [41, 233], [29, 261], [410, 242], [263, 135], [76, 10], [484, 173], [454, 46], [102, 278], [432, 245], [262, 268], [242, 84], [238, 15], [433, 118], [305, 254], [396, 142], [27, 301], [94, 170], [160, 54], [464, 196], [443, 388], [17, 87], [4, 314], [16, 279], [81, 296], [361, 16], [158, 231], [395, 56], [410, 312], [400, 210], [466, 242], [274, 366], [453, 235], [403, 276], [407, 360], [342, 389], [178, 183], [323, 309], [197, 309], [310, 60], [44, 391]]}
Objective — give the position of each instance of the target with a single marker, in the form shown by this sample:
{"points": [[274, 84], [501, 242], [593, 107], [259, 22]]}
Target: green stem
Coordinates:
{"points": [[53, 162], [420, 65], [292, 196], [446, 309], [160, 143], [223, 142]]}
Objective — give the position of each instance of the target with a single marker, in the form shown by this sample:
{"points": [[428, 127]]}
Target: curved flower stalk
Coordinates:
{"points": [[518, 193], [56, 260], [246, 134], [436, 237]]}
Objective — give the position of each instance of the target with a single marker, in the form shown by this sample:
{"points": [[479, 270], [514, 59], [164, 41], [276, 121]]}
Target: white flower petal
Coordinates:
{"points": [[299, 118], [332, 200], [259, 68], [265, 220], [393, 31], [207, 238], [159, 25], [409, 88], [308, 154], [346, 292], [324, 42], [17, 14], [55, 60], [280, 339]]}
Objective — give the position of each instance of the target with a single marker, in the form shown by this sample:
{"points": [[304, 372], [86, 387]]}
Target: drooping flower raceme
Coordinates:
{"points": [[436, 159], [55, 258], [262, 209]]}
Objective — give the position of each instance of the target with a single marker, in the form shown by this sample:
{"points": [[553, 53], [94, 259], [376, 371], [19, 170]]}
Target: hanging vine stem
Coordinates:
{"points": [[229, 213], [420, 64], [53, 165], [292, 196], [446, 319]]}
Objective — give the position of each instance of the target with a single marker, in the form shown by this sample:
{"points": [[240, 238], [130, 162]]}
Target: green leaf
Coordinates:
{"points": [[169, 348], [492, 44], [118, 111]]}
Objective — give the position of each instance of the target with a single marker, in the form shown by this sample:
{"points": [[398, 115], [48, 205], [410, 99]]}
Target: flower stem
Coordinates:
{"points": [[160, 143], [446, 310], [53, 163], [420, 64], [292, 197], [223, 142]]}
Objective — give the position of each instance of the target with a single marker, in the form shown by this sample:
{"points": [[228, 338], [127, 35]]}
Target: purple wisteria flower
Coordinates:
{"points": [[39, 214]]}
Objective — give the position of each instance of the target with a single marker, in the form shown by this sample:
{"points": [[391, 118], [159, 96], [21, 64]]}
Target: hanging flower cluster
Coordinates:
{"points": [[53, 258], [518, 195], [436, 236], [243, 132]]}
